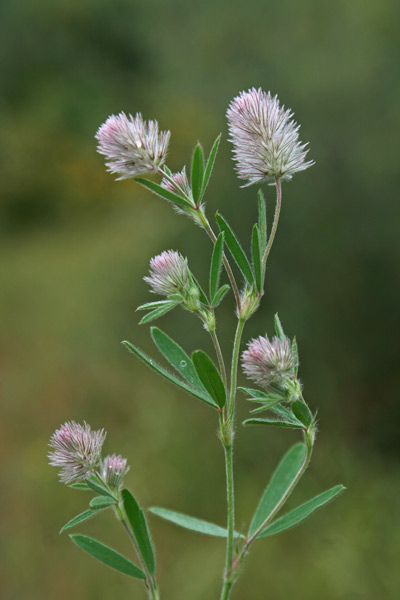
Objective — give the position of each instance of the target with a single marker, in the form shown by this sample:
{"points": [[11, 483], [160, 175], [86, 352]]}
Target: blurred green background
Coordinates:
{"points": [[75, 245]]}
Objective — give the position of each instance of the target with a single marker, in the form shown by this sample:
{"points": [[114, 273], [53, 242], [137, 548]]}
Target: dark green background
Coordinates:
{"points": [[75, 246]]}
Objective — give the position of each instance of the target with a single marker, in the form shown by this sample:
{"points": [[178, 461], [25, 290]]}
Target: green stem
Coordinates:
{"points": [[227, 441], [276, 220], [220, 357]]}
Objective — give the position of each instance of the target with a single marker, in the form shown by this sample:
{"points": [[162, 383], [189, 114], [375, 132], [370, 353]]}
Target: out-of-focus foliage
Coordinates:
{"points": [[75, 245]]}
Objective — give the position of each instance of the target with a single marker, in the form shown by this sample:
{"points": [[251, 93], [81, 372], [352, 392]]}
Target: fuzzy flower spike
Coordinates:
{"points": [[269, 362], [77, 451], [265, 138], [131, 146], [169, 274]]}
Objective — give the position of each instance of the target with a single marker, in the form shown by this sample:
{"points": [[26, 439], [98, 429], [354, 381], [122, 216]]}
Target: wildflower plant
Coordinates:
{"points": [[266, 148]]}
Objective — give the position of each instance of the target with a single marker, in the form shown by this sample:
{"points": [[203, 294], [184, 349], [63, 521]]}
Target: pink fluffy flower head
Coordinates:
{"points": [[77, 451], [265, 138], [169, 274], [131, 146], [269, 362], [114, 468]]}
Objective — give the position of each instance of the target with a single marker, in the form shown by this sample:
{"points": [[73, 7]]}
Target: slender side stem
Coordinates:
{"points": [[220, 357], [227, 441], [151, 585], [276, 220]]}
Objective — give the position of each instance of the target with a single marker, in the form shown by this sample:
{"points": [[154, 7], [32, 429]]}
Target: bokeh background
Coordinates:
{"points": [[75, 245]]}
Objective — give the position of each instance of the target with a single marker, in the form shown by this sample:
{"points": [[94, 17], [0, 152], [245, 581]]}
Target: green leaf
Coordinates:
{"points": [[166, 194], [158, 303], [273, 423], [101, 502], [138, 523], [197, 171], [262, 220], [219, 295], [79, 486], [209, 376], [235, 249], [107, 555], [210, 165], [99, 489], [286, 415], [175, 297], [167, 170], [256, 255], [216, 263], [254, 393], [278, 327], [178, 358], [161, 371], [259, 396], [158, 312], [266, 405], [301, 512], [191, 522], [88, 514], [279, 484], [302, 412]]}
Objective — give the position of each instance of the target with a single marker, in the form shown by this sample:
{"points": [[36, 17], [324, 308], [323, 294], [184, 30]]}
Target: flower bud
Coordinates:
{"points": [[208, 318], [249, 302], [114, 468], [77, 451]]}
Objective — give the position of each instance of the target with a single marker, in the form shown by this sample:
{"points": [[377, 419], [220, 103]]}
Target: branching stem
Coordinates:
{"points": [[276, 220], [220, 357]]}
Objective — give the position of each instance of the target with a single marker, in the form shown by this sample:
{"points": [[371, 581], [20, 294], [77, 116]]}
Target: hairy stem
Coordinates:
{"points": [[276, 220], [220, 357], [227, 441]]}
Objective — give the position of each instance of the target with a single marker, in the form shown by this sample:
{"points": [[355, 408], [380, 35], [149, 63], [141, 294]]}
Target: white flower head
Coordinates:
{"points": [[267, 362], [131, 146], [265, 138], [77, 451], [169, 274]]}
